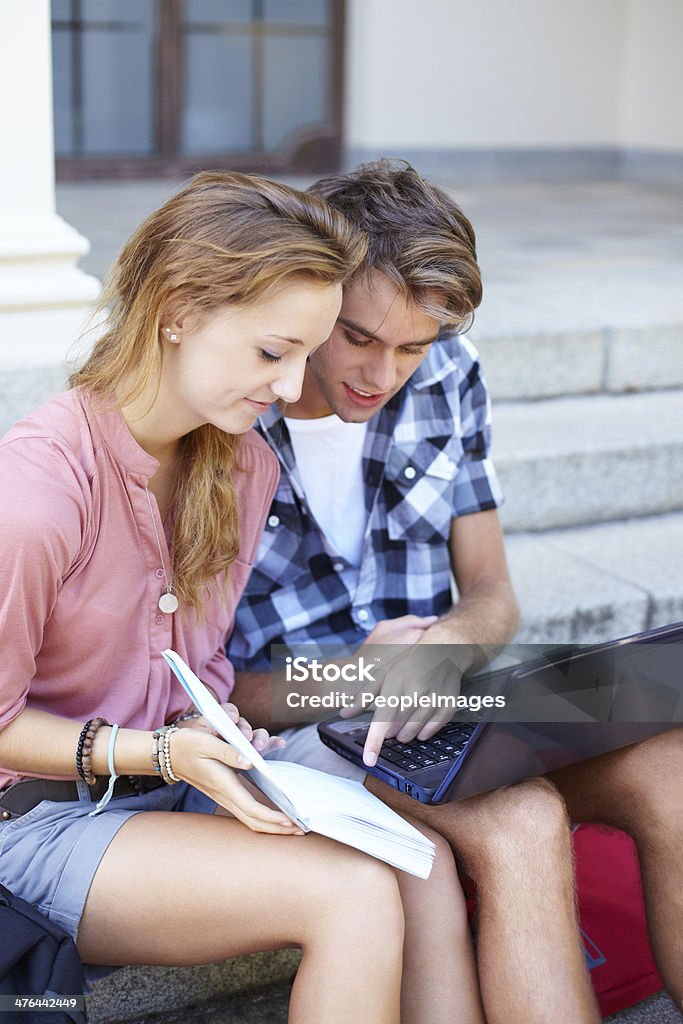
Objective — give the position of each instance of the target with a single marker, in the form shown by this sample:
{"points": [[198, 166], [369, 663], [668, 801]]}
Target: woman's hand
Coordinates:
{"points": [[260, 738], [210, 764]]}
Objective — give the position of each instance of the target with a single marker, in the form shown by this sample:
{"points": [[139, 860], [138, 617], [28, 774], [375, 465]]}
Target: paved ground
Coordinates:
{"points": [[657, 1010], [272, 1009]]}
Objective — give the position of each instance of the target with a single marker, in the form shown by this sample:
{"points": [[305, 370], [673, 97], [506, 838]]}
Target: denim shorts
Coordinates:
{"points": [[49, 855]]}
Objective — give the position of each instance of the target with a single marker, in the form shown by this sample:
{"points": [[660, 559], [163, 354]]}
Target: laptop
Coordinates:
{"points": [[568, 705]]}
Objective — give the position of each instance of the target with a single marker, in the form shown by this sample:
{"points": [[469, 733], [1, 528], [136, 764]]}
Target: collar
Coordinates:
{"points": [[109, 428], [443, 360]]}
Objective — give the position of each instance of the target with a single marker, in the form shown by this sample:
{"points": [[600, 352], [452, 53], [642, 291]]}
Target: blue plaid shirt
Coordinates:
{"points": [[425, 461]]}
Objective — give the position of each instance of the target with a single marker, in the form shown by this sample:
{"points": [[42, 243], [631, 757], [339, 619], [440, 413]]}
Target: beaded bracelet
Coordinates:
{"points": [[161, 753], [157, 737], [169, 776], [84, 749], [188, 716]]}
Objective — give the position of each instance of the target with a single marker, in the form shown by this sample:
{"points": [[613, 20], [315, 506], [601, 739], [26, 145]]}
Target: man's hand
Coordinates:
{"points": [[400, 673], [428, 670], [468, 636], [406, 629]]}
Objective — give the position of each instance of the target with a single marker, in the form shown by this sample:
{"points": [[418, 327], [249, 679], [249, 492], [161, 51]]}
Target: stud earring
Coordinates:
{"points": [[172, 336]]}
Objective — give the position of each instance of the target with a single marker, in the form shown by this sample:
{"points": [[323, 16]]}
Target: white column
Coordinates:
{"points": [[44, 297]]}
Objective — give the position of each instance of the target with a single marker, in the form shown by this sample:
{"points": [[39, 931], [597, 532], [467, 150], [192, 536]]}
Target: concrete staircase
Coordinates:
{"points": [[593, 478], [581, 339]]}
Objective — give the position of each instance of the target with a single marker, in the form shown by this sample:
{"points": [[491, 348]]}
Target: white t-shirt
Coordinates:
{"points": [[329, 457]]}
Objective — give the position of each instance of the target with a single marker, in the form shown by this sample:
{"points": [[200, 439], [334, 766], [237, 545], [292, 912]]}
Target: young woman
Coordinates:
{"points": [[130, 510]]}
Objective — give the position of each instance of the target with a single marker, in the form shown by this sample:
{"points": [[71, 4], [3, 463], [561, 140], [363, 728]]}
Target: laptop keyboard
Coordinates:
{"points": [[448, 743]]}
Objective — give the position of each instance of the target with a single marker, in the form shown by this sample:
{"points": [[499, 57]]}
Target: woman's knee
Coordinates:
{"points": [[444, 873], [371, 887], [352, 889], [443, 886], [444, 867]]}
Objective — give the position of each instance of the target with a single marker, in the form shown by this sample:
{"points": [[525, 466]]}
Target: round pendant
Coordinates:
{"points": [[168, 603]]}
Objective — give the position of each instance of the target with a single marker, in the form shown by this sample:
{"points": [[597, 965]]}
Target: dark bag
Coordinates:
{"points": [[37, 958]]}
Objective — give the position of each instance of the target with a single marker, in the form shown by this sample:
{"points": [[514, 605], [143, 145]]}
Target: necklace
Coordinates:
{"points": [[168, 602]]}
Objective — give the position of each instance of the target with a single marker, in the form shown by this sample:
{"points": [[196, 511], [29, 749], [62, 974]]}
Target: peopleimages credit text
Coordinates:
{"points": [[338, 699], [628, 682]]}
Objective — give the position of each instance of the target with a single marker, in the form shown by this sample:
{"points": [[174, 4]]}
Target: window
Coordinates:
{"points": [[169, 86]]}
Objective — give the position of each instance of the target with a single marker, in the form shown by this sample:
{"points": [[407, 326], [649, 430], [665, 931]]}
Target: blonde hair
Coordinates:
{"points": [[225, 238]]}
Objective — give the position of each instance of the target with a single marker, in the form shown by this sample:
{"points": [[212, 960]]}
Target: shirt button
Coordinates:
{"points": [[159, 573], [338, 566], [409, 472], [363, 614], [159, 619], [273, 520]]}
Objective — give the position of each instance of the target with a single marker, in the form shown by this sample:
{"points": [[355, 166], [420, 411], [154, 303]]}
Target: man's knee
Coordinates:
{"points": [[521, 821], [647, 782]]}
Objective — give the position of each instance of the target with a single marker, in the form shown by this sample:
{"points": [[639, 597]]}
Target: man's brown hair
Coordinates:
{"points": [[417, 235]]}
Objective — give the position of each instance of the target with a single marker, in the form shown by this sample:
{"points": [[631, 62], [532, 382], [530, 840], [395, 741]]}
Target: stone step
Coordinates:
{"points": [[574, 461], [596, 583], [270, 1006], [582, 286], [546, 362]]}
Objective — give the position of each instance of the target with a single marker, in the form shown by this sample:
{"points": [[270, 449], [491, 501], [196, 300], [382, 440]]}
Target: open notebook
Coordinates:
{"points": [[339, 808]]}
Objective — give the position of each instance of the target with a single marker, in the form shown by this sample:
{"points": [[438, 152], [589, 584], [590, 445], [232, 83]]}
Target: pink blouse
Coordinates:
{"points": [[80, 574]]}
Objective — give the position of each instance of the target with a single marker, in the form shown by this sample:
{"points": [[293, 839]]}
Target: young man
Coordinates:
{"points": [[386, 487]]}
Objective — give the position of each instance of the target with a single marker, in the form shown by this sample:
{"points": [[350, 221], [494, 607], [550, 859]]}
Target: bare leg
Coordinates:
{"points": [[186, 889], [640, 789], [515, 843], [437, 933], [440, 984]]}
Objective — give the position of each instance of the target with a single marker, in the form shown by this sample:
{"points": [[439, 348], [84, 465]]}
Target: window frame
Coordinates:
{"points": [[314, 150]]}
